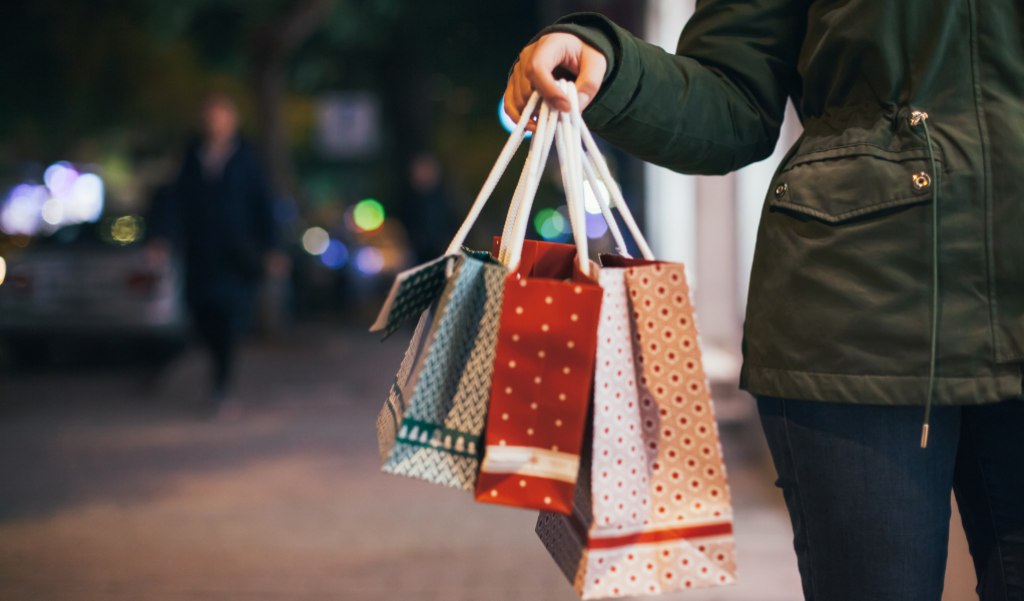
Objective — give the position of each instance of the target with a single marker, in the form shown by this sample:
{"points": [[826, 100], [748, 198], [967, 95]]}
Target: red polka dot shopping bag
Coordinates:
{"points": [[652, 512], [542, 380], [545, 356]]}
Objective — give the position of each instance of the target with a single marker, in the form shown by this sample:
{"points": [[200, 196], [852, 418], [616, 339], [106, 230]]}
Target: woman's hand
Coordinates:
{"points": [[536, 64]]}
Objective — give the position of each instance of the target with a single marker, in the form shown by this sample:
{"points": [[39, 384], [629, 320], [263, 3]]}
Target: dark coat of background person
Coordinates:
{"points": [[840, 295], [223, 228]]}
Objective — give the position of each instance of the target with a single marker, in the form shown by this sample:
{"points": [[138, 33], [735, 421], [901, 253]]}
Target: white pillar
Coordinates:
{"points": [[670, 199]]}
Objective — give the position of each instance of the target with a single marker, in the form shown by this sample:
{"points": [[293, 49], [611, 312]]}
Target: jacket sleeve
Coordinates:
{"points": [[714, 106], [262, 205]]}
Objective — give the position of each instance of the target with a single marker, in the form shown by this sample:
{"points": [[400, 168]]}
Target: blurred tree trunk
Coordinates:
{"points": [[273, 45]]}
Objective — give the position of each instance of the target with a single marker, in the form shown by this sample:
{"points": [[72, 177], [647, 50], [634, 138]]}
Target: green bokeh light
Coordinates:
{"points": [[550, 224], [368, 215]]}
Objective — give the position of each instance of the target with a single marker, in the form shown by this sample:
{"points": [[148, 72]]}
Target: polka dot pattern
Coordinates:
{"points": [[660, 501], [545, 356]]}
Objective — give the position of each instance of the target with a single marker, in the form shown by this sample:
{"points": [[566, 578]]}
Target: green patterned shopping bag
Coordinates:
{"points": [[431, 425], [413, 292]]}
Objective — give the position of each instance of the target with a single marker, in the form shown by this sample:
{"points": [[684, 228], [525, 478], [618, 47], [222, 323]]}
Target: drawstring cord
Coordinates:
{"points": [[921, 118]]}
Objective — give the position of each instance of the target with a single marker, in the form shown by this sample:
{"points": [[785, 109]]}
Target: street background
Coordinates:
{"points": [[114, 489]]}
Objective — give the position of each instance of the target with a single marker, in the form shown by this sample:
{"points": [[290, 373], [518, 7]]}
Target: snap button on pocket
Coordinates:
{"points": [[921, 180], [780, 190]]}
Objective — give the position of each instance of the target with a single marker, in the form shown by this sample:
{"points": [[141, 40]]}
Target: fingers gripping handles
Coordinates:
{"points": [[572, 137]]}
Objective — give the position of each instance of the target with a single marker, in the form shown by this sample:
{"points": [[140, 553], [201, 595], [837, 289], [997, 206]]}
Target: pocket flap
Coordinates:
{"points": [[839, 184]]}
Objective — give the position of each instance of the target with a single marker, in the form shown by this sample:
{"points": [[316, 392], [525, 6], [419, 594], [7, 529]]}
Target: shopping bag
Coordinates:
{"points": [[447, 380], [431, 424], [652, 513], [542, 374], [541, 385], [413, 291]]}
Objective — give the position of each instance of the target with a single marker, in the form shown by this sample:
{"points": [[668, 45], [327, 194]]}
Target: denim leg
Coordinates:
{"points": [[870, 509], [989, 487]]}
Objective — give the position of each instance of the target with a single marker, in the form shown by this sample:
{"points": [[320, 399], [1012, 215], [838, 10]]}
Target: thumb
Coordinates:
{"points": [[592, 69]]}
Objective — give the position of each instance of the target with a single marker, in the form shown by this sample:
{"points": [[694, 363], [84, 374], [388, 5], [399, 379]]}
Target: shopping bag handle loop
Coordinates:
{"points": [[566, 134], [595, 168], [570, 153], [540, 148], [514, 140], [606, 211], [597, 162]]}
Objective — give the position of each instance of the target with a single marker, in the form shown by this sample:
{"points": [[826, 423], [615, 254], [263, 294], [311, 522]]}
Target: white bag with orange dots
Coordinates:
{"points": [[653, 514]]}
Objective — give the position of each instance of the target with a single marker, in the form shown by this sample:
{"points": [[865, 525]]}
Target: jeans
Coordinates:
{"points": [[870, 508], [219, 326]]}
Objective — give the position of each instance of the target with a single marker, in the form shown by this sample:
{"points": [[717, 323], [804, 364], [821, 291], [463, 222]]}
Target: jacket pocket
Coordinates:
{"points": [[854, 181]]}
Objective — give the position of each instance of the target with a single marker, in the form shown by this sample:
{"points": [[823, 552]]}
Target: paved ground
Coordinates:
{"points": [[113, 488]]}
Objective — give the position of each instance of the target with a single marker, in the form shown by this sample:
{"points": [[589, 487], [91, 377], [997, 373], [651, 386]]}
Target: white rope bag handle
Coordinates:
{"points": [[570, 154], [596, 170], [595, 162], [541, 146], [500, 165], [534, 168], [560, 126], [606, 211]]}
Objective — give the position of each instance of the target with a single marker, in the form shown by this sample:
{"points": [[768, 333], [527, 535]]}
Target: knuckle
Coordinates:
{"points": [[587, 87]]}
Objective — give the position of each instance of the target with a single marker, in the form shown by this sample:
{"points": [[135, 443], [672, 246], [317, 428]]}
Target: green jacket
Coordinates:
{"points": [[840, 304]]}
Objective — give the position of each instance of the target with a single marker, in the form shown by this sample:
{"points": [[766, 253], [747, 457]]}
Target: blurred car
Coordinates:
{"points": [[93, 282]]}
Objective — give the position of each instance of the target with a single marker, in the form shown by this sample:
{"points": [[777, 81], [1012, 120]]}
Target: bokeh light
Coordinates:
{"points": [[506, 122], [316, 240], [3, 270], [336, 255], [59, 177], [369, 260], [20, 214], [551, 225], [125, 230], [66, 198], [53, 211], [86, 197], [596, 226], [590, 201], [368, 215]]}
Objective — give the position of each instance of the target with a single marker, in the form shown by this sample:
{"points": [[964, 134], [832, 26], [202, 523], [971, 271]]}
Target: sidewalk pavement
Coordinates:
{"points": [[116, 489]]}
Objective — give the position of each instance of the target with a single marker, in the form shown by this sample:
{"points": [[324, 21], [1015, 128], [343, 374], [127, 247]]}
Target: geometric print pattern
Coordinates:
{"points": [[450, 384], [413, 291], [662, 519], [390, 417]]}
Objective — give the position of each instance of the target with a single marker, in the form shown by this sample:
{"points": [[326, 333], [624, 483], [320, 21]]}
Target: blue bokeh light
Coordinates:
{"points": [[336, 255], [369, 260], [506, 121]]}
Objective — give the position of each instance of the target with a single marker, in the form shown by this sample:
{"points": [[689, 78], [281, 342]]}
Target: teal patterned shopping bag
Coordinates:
{"points": [[431, 425], [413, 292]]}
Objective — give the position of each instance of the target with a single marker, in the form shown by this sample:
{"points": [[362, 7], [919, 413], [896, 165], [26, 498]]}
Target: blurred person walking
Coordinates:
{"points": [[428, 209], [220, 212], [889, 263]]}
